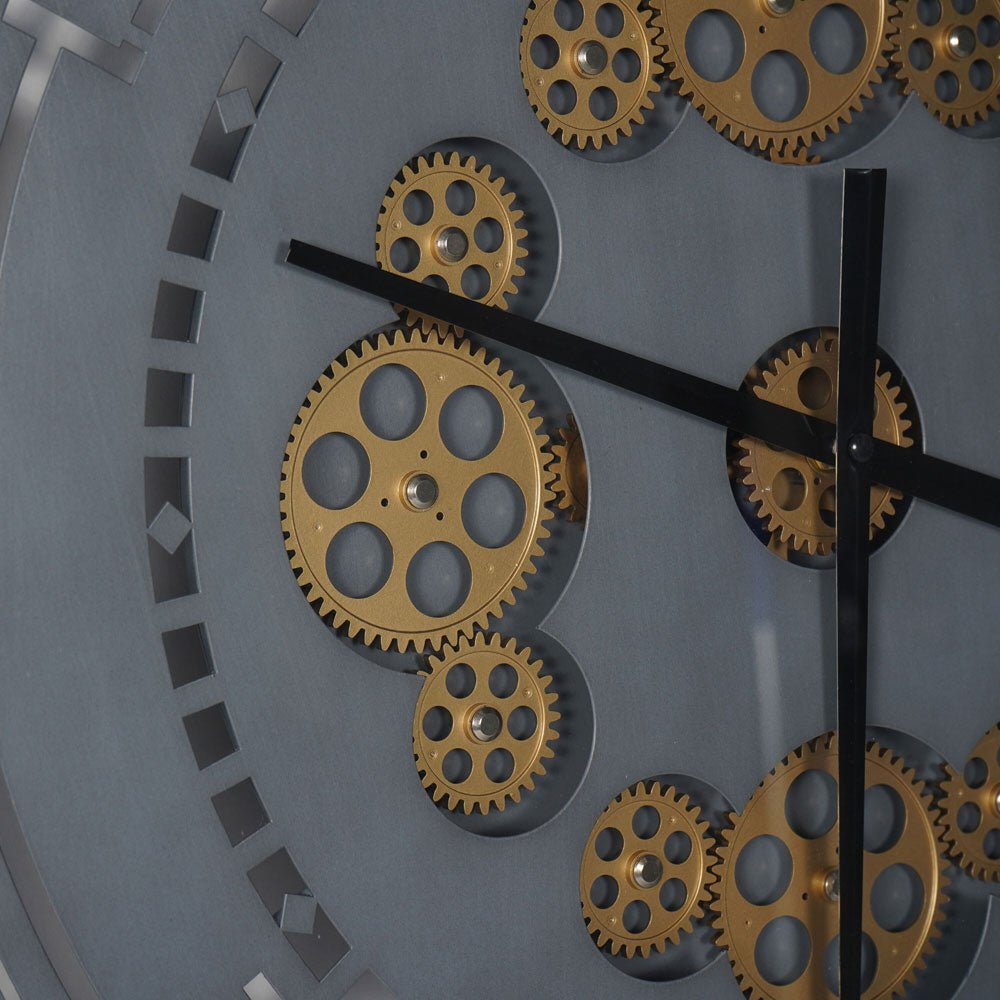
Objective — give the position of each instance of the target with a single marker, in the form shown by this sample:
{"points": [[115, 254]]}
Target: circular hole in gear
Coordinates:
{"points": [[522, 723], [438, 579], [437, 723], [946, 86], [991, 845], [811, 804], [626, 65], [975, 772], [544, 51], [677, 848], [635, 917], [436, 281], [493, 511], [897, 897], [418, 207], [561, 97], [336, 471], [831, 964], [780, 86], [928, 12], [885, 817], [604, 892], [503, 680], [471, 423], [981, 75], [610, 20], [404, 255], [499, 765], [714, 45], [645, 822], [828, 506], [569, 14], [763, 870], [789, 489], [838, 38], [673, 895], [963, 7], [392, 402], [488, 235], [969, 817], [989, 31], [783, 950], [476, 282], [603, 104], [921, 54], [461, 680], [460, 197], [815, 388], [359, 560], [608, 844], [456, 766]]}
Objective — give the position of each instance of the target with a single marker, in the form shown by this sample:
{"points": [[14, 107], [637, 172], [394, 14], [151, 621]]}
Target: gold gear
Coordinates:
{"points": [[442, 364], [811, 895], [729, 104], [969, 848], [797, 495], [641, 867], [951, 46], [570, 468], [584, 59], [479, 720], [446, 241]]}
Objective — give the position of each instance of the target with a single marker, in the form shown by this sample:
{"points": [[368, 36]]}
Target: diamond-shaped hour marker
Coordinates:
{"points": [[236, 110], [298, 914], [170, 527]]}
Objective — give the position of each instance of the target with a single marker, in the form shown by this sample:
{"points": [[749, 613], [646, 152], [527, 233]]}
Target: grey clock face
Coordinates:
{"points": [[207, 790]]}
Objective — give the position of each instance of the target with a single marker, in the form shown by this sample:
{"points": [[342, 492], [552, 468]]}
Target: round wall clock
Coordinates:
{"points": [[499, 499]]}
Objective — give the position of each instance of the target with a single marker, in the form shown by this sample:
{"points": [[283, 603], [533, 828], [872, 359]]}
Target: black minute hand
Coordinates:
{"points": [[905, 469]]}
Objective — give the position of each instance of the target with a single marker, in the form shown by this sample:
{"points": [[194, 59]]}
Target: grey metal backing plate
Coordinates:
{"points": [[695, 254]]}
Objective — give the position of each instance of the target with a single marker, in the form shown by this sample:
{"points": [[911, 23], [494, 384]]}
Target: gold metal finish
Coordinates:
{"points": [[945, 55], [571, 483], [796, 495], [900, 954], [446, 240], [729, 104], [641, 868], [586, 61], [442, 365], [969, 849], [479, 724]]}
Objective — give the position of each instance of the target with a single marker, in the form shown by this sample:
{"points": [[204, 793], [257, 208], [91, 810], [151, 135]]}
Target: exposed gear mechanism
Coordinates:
{"points": [[570, 467], [797, 495], [451, 223], [810, 894], [766, 27], [971, 805], [413, 496], [591, 79], [949, 54], [483, 725], [646, 870]]}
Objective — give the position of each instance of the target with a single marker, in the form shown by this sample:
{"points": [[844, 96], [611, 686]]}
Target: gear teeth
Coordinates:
{"points": [[570, 478]]}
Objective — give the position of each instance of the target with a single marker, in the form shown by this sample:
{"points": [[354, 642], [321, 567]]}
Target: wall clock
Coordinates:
{"points": [[498, 499]]}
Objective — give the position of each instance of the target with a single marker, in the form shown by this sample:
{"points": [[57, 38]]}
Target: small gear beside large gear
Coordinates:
{"points": [[767, 27], [412, 499], [571, 485], [971, 805], [646, 870], [590, 82], [810, 896], [451, 223], [950, 57], [483, 724], [796, 496]]}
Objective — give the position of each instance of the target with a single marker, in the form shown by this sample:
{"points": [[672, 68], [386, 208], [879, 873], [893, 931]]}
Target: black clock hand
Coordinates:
{"points": [[963, 490], [860, 289]]}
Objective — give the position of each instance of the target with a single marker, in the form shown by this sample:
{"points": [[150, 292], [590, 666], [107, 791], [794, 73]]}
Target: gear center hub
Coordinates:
{"points": [[420, 491], [591, 58], [831, 886], [646, 871], [451, 245], [485, 724], [961, 41]]}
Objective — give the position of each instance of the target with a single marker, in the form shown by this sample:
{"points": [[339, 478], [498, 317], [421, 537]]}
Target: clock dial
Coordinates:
{"points": [[353, 643]]}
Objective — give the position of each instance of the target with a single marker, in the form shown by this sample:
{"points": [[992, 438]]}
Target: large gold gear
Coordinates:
{"points": [[967, 835], [797, 495], [393, 502], [478, 723], [583, 58], [672, 856], [448, 246], [769, 26], [959, 53], [812, 893], [571, 484]]}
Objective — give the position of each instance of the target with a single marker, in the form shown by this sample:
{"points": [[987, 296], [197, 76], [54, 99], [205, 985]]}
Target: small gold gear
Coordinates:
{"points": [[769, 26], [797, 495], [950, 54], [969, 847], [478, 233], [393, 501], [812, 893], [674, 853], [570, 468], [622, 60], [476, 723]]}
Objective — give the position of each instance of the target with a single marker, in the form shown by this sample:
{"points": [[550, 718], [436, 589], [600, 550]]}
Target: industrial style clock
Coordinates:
{"points": [[502, 499]]}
